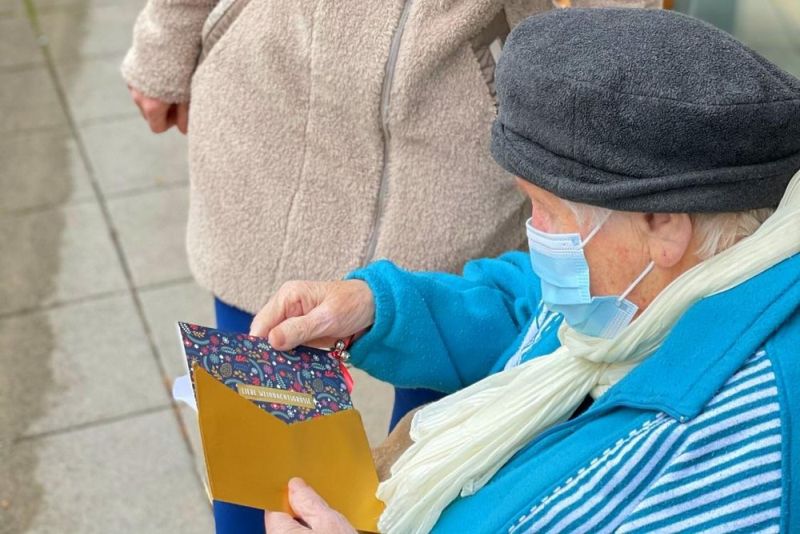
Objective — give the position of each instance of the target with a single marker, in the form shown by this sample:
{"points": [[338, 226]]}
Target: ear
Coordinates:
{"points": [[668, 237]]}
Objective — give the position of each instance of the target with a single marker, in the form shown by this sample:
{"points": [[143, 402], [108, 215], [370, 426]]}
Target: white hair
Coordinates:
{"points": [[715, 231], [720, 231]]}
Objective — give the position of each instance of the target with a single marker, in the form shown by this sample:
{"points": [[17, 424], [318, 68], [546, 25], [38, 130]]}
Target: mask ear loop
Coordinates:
{"points": [[595, 230], [636, 282]]}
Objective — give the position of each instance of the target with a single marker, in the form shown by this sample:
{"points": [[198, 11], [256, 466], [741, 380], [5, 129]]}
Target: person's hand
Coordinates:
{"points": [[315, 313], [311, 509], [160, 115]]}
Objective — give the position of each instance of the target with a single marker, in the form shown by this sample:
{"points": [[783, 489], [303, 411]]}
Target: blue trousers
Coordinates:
{"points": [[237, 519]]}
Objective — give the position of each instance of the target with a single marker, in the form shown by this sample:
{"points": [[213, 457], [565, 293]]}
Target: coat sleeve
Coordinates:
{"points": [[166, 45], [443, 331]]}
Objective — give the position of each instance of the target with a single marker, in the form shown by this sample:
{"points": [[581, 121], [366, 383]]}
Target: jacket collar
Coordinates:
{"points": [[709, 344]]}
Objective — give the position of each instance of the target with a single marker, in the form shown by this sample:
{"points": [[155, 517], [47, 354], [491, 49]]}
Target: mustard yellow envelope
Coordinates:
{"points": [[251, 455]]}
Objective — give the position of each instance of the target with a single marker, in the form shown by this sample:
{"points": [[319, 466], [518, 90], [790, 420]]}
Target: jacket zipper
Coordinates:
{"points": [[386, 91]]}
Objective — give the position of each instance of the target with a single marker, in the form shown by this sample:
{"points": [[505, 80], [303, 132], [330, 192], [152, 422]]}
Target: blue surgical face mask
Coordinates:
{"points": [[560, 263]]}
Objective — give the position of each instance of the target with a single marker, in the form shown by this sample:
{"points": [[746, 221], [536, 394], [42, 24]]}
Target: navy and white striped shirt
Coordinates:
{"points": [[719, 472]]}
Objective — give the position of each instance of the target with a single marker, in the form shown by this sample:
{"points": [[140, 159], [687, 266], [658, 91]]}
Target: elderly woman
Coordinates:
{"points": [[638, 370]]}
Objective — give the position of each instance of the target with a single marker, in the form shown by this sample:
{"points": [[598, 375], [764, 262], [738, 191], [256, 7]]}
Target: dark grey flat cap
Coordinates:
{"points": [[645, 110]]}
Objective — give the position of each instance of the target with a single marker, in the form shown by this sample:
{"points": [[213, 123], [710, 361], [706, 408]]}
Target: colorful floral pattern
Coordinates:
{"points": [[236, 359]]}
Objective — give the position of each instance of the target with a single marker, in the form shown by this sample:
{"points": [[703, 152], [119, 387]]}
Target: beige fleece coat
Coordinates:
{"points": [[326, 134]]}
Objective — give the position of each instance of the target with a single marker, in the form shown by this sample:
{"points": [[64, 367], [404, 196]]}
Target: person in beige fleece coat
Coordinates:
{"points": [[326, 134]]}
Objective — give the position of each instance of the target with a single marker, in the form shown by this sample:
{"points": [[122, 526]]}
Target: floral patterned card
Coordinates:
{"points": [[293, 386]]}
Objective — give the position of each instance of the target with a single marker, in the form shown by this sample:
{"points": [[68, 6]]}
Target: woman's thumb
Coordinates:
{"points": [[305, 502]]}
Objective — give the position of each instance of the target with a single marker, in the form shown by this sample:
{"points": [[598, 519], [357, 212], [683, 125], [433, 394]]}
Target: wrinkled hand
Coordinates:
{"points": [[311, 509], [315, 313], [160, 115]]}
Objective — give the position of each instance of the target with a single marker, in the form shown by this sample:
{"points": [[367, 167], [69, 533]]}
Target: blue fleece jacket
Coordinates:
{"points": [[705, 433]]}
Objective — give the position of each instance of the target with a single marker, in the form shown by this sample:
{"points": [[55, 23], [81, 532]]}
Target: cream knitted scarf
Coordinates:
{"points": [[462, 440]]}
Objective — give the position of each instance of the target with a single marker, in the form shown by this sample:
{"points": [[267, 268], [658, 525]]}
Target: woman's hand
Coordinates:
{"points": [[160, 115], [311, 509], [315, 313]]}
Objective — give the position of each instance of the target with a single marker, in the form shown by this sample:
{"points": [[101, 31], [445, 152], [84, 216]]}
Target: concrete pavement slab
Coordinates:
{"points": [[165, 306], [40, 169], [192, 431], [12, 8], [88, 29], [56, 255], [45, 5], [131, 476], [28, 101], [374, 400], [127, 156], [18, 45], [95, 89], [151, 228], [85, 362]]}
